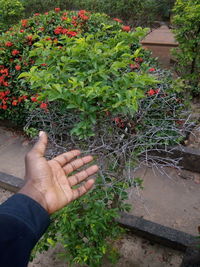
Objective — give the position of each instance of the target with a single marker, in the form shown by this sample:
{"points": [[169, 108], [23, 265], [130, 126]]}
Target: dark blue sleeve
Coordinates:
{"points": [[22, 222]]}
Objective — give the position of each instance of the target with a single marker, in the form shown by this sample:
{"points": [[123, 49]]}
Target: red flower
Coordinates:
{"points": [[58, 30], [6, 84], [46, 13], [24, 22], [4, 107], [126, 28], [9, 44], [21, 31], [81, 12], [34, 99], [118, 20], [43, 106], [74, 18], [117, 120], [41, 29], [64, 31], [7, 92], [36, 14], [65, 14], [153, 92], [43, 64], [152, 69], [139, 59], [134, 66], [18, 67], [29, 37], [71, 34], [15, 52], [64, 18], [57, 9], [14, 103]]}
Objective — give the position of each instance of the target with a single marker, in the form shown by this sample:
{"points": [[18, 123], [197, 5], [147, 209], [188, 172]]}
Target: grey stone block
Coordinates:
{"points": [[10, 182]]}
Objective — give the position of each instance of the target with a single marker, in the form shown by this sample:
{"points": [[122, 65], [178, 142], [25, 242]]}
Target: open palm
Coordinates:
{"points": [[50, 181]]}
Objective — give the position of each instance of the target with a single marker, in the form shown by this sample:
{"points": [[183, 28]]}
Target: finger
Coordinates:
{"points": [[67, 157], [81, 176], [80, 191], [40, 147], [76, 164]]}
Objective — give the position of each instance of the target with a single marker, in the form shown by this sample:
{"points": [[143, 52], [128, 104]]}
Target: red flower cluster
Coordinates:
{"points": [[64, 18], [118, 20], [6, 100], [153, 92], [24, 23], [82, 15], [15, 52], [4, 73], [119, 122], [18, 67], [9, 44], [61, 30], [36, 14], [126, 28], [44, 106], [139, 59], [57, 9], [29, 37], [134, 66], [152, 69]]}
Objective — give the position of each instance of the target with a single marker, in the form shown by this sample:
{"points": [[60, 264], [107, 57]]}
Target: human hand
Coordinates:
{"points": [[49, 183]]}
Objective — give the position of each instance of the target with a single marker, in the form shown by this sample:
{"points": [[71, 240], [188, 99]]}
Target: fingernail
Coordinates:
{"points": [[41, 133]]}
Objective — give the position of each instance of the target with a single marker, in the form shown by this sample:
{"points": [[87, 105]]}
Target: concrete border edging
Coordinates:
{"points": [[157, 233], [10, 182], [190, 157]]}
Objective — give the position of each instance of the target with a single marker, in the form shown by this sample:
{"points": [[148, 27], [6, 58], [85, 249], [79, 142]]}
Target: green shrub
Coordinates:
{"points": [[89, 84], [187, 33], [91, 75], [11, 11]]}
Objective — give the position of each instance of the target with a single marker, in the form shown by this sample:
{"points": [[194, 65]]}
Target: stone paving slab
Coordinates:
{"points": [[13, 149], [160, 36]]}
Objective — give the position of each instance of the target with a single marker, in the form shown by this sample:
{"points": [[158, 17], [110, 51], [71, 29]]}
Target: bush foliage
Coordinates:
{"points": [[187, 32], [11, 11]]}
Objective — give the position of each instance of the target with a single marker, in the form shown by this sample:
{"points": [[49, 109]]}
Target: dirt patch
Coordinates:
{"points": [[134, 252]]}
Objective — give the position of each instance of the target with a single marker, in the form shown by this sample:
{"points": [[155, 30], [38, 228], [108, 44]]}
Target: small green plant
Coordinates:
{"points": [[86, 226], [187, 32]]}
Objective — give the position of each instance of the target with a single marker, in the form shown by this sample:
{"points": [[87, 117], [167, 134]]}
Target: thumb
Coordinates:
{"points": [[40, 147]]}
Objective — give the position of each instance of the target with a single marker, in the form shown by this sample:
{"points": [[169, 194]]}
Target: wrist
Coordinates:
{"points": [[29, 190]]}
